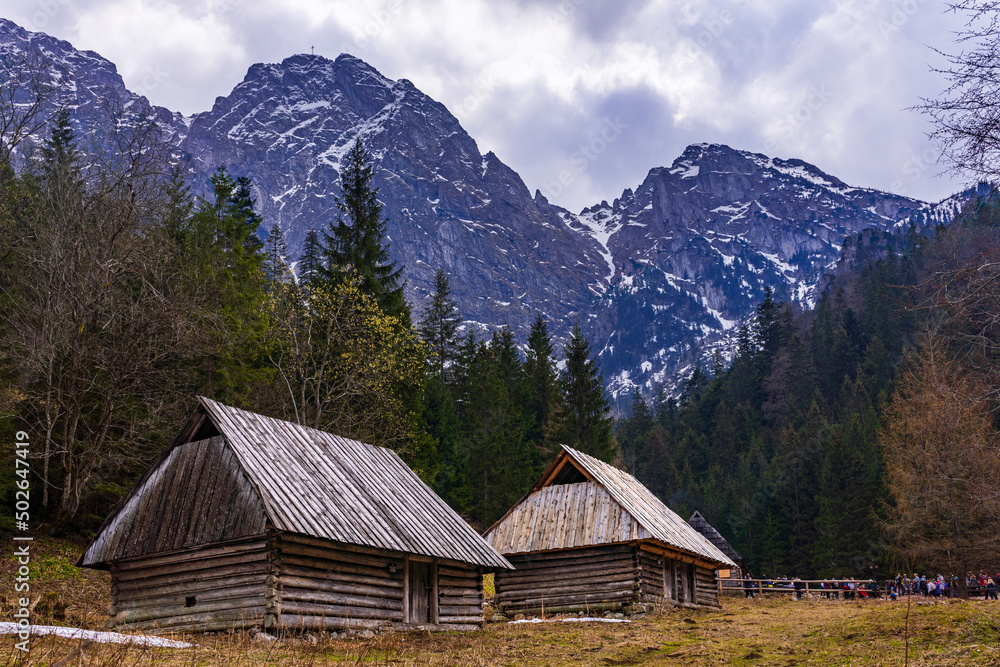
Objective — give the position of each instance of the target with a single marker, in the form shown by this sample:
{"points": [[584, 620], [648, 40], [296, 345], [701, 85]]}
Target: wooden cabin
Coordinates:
{"points": [[701, 524], [247, 521], [589, 537]]}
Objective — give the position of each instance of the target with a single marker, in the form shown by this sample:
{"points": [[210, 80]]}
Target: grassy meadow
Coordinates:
{"points": [[776, 631]]}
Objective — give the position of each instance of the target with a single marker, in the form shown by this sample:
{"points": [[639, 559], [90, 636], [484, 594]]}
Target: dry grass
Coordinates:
{"points": [[779, 632]]}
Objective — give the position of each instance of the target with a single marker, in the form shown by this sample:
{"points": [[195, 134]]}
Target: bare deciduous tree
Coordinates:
{"points": [[96, 321], [942, 456], [967, 114]]}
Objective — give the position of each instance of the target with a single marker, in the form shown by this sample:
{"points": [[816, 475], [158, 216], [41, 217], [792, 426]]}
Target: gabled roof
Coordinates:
{"points": [[581, 501], [701, 524], [317, 484]]}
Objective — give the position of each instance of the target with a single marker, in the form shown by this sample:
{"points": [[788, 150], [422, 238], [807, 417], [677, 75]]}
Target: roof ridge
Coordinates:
{"points": [[645, 506], [317, 483]]}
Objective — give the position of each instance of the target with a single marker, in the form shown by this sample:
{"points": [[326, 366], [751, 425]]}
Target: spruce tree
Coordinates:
{"points": [[243, 207], [439, 328], [355, 242], [543, 389], [495, 449], [59, 148], [222, 250], [276, 269], [311, 260], [633, 432], [588, 427]]}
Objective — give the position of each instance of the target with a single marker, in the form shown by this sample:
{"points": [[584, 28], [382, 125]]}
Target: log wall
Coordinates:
{"points": [[320, 584], [595, 579], [620, 577], [287, 581], [706, 590], [651, 576], [460, 596], [210, 588]]}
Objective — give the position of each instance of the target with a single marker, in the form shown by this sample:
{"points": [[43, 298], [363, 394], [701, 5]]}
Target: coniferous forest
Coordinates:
{"points": [[802, 453], [125, 297], [855, 436]]}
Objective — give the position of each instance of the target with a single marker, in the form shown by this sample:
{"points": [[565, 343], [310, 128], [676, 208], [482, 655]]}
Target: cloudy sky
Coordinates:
{"points": [[539, 81]]}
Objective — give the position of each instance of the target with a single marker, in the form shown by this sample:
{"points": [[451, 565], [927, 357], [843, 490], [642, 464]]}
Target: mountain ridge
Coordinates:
{"points": [[664, 268]]}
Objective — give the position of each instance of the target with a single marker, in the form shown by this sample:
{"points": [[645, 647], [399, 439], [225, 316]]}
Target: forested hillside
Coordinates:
{"points": [[859, 434], [785, 450], [125, 297]]}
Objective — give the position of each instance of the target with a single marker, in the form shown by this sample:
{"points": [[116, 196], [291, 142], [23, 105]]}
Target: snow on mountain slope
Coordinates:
{"points": [[652, 277]]}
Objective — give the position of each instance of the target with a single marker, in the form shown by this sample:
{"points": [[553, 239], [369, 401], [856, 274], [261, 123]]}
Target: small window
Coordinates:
{"points": [[190, 601], [569, 474]]}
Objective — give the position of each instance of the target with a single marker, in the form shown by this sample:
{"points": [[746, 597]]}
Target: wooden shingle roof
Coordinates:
{"points": [[324, 486], [701, 524], [582, 501]]}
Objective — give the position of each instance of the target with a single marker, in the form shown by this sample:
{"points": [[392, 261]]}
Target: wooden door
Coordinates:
{"points": [[669, 590], [680, 590], [420, 592]]}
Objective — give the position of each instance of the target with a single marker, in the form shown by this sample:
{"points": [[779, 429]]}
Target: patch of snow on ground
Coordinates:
{"points": [[782, 265], [601, 232], [7, 628], [571, 620], [726, 324], [686, 171], [766, 212], [734, 212], [804, 174]]}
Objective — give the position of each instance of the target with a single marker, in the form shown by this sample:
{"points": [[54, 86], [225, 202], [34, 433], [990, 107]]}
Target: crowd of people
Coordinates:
{"points": [[849, 589], [983, 584]]}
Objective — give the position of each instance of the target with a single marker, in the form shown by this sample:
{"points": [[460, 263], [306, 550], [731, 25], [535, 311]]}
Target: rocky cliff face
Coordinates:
{"points": [[288, 125], [693, 247], [83, 82], [650, 277]]}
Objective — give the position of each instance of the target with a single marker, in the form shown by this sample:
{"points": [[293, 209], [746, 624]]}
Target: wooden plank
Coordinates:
{"points": [[183, 614], [460, 591], [203, 566], [406, 589], [243, 545], [333, 586], [455, 582], [582, 569], [464, 621], [288, 508], [247, 592], [378, 562], [208, 577], [306, 608], [454, 611], [310, 621], [582, 580], [588, 586], [537, 522], [344, 575], [203, 626], [579, 598], [292, 593], [452, 600], [136, 592], [454, 572], [564, 557]]}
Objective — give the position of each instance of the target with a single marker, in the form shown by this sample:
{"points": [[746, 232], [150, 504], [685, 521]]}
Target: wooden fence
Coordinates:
{"points": [[831, 587]]}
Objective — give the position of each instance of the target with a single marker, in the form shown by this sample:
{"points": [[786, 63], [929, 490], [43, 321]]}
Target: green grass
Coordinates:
{"points": [[778, 631]]}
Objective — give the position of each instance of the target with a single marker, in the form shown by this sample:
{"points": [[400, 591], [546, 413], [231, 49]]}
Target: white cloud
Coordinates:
{"points": [[533, 81]]}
